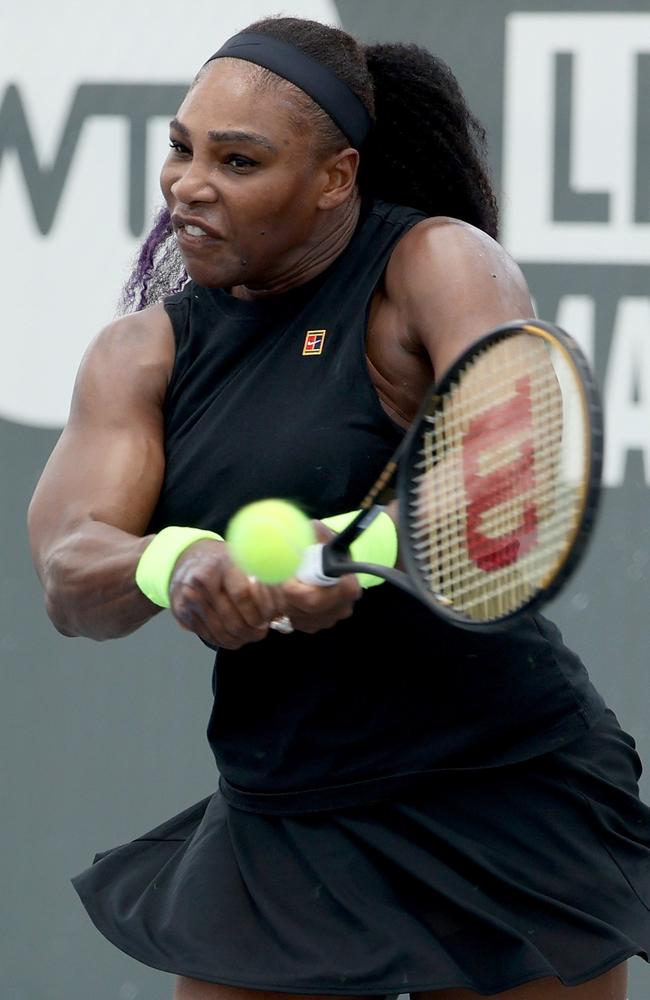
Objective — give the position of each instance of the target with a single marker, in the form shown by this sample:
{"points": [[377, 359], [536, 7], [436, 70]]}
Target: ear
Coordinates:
{"points": [[340, 177]]}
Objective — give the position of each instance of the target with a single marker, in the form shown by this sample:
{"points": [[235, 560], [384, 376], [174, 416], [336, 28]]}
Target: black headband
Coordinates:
{"points": [[324, 87]]}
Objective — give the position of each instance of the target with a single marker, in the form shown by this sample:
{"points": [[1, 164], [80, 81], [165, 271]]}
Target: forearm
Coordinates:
{"points": [[89, 582]]}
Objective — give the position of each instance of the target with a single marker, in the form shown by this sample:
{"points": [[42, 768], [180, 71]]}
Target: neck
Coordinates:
{"points": [[311, 261]]}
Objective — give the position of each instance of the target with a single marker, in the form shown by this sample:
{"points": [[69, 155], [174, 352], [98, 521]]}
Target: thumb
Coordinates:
{"points": [[323, 533]]}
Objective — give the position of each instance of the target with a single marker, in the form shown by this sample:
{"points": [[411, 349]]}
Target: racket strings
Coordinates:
{"points": [[509, 585], [538, 564], [497, 497]]}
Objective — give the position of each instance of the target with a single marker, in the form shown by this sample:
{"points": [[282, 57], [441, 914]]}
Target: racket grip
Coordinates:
{"points": [[310, 571], [311, 568]]}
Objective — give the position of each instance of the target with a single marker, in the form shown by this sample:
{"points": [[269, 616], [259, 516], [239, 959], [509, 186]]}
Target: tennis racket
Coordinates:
{"points": [[497, 478]]}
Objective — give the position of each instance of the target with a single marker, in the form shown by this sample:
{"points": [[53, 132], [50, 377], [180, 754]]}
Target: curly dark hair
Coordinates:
{"points": [[426, 149]]}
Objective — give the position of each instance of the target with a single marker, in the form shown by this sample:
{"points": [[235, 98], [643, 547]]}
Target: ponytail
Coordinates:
{"points": [[427, 149]]}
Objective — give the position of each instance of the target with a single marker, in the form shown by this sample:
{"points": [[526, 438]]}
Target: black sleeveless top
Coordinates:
{"points": [[274, 398]]}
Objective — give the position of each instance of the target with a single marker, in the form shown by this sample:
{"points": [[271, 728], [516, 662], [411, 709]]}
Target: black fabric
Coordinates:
{"points": [[323, 86], [303, 722], [483, 879], [404, 806]]}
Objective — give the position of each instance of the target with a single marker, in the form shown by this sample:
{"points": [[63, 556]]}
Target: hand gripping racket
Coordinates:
{"points": [[497, 479]]}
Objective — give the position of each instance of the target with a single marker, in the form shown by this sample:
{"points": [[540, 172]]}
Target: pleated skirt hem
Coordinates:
{"points": [[483, 880], [379, 989]]}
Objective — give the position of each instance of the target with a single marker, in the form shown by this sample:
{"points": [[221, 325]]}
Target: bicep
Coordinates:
{"points": [[108, 464], [458, 285], [111, 475]]}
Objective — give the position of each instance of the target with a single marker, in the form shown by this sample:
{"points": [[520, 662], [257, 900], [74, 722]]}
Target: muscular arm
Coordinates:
{"points": [[98, 492], [101, 483], [446, 285]]}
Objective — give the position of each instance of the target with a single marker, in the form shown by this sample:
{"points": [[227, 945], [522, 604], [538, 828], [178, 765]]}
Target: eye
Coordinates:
{"points": [[241, 163], [178, 147]]}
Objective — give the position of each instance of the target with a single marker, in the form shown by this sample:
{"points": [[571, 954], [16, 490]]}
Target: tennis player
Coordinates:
{"points": [[403, 806]]}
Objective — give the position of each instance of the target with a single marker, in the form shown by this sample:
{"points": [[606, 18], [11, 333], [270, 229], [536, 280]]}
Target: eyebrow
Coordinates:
{"points": [[232, 135]]}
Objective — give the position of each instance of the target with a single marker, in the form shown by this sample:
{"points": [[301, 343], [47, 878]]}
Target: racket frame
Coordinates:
{"points": [[574, 548], [336, 559]]}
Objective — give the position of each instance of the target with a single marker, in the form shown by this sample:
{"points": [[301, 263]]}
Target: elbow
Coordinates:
{"points": [[55, 613], [59, 592], [90, 595], [65, 624]]}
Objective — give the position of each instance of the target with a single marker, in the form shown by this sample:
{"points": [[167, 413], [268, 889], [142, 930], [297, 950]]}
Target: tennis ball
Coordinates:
{"points": [[267, 539]]}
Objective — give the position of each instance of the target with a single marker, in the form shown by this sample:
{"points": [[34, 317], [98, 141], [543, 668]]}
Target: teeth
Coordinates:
{"points": [[195, 231]]}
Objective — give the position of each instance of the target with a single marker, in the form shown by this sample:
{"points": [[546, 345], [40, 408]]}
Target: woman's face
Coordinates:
{"points": [[241, 171]]}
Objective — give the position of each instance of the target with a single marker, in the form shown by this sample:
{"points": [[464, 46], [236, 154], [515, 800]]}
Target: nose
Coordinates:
{"points": [[193, 184]]}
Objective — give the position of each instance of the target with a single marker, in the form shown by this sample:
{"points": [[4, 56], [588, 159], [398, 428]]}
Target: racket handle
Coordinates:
{"points": [[309, 571], [311, 568]]}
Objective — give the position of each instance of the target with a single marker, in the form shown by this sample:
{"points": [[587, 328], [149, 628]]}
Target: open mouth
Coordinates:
{"points": [[189, 235]]}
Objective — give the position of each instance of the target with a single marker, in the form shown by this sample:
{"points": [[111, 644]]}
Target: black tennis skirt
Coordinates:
{"points": [[483, 879]]}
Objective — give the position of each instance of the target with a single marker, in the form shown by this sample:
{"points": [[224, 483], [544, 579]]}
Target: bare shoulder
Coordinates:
{"points": [[451, 283], [131, 357], [146, 337], [454, 255]]}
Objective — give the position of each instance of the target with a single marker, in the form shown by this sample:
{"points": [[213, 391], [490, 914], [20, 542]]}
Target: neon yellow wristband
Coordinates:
{"points": [[377, 544], [156, 564]]}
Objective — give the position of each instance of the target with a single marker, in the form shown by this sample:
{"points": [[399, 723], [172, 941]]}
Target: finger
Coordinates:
{"points": [[213, 617], [270, 600], [253, 601], [312, 598], [316, 623], [310, 613], [233, 622], [323, 533], [199, 601]]}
